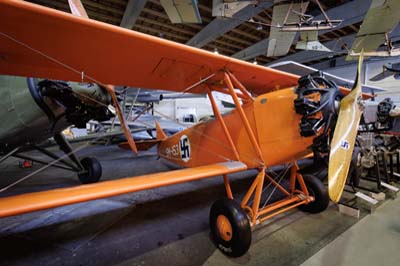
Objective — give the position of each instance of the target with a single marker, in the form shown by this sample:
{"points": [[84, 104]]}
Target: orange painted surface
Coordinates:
{"points": [[271, 116], [141, 145], [208, 143], [109, 54], [58, 197], [278, 128]]}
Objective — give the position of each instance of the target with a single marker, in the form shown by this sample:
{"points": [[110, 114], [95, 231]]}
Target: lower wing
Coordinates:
{"points": [[35, 201]]}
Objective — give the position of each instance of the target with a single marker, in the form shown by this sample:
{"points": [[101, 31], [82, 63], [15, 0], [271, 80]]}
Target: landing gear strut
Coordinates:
{"points": [[88, 169], [317, 190], [231, 222]]}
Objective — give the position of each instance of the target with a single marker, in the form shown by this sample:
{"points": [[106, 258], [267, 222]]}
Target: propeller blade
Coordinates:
{"points": [[78, 10], [110, 90], [344, 138]]}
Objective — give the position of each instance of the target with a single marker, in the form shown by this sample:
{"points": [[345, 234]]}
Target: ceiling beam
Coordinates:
{"points": [[351, 12], [219, 26], [132, 12]]}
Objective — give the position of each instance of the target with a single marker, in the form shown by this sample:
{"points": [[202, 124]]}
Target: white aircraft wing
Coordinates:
{"points": [[280, 42], [309, 41], [381, 18]]}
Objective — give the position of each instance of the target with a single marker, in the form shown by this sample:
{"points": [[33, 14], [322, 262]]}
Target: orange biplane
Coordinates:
{"points": [[278, 119]]}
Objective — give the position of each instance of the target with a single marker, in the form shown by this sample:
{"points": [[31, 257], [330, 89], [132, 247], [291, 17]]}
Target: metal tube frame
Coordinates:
{"points": [[294, 197], [25, 157], [8, 155], [56, 157], [67, 149]]}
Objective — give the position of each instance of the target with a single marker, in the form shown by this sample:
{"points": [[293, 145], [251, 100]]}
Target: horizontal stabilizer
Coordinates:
{"points": [[141, 145], [309, 41], [35, 201]]}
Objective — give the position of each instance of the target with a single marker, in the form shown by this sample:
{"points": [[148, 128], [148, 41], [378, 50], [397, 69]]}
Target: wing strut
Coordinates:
{"points": [[223, 125], [78, 10], [246, 123], [297, 194]]}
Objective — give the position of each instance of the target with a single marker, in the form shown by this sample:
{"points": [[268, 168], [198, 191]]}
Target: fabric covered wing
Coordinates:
{"points": [[279, 41], [42, 42], [381, 18], [35, 201]]}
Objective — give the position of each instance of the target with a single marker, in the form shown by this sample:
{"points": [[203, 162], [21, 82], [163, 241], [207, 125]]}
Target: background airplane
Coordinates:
{"points": [[33, 110], [387, 71], [290, 18], [379, 21]]}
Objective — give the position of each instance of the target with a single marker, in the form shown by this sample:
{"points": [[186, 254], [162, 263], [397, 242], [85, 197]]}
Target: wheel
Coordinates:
{"points": [[93, 171], [316, 189], [230, 227], [355, 167]]}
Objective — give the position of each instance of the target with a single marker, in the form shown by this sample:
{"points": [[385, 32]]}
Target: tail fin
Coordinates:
{"points": [[160, 133], [147, 144]]}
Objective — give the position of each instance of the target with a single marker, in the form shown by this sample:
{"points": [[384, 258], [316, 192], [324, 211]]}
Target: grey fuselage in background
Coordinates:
{"points": [[33, 110]]}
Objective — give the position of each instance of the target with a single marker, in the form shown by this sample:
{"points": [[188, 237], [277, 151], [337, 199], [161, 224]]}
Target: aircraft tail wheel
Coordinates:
{"points": [[316, 189], [230, 227], [93, 171]]}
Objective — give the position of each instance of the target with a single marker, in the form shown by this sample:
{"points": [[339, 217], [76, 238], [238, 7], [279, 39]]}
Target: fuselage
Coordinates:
{"points": [[273, 120], [33, 110], [22, 118]]}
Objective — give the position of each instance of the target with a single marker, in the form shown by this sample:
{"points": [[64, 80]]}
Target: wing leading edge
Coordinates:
{"points": [[43, 42], [35, 201]]}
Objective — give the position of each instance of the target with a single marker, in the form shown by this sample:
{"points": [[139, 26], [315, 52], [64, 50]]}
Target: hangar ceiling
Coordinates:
{"points": [[231, 37]]}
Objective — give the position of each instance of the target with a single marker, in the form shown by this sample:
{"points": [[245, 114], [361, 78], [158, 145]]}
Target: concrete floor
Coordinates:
{"points": [[375, 240], [165, 226]]}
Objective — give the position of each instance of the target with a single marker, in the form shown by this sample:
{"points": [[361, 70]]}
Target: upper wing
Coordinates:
{"points": [[279, 41], [381, 18], [302, 70], [59, 197], [43, 42]]}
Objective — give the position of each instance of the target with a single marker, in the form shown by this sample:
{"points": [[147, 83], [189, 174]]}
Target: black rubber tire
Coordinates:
{"points": [[93, 171], [240, 242], [316, 189], [355, 171]]}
